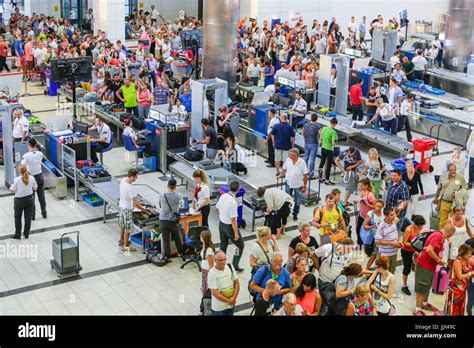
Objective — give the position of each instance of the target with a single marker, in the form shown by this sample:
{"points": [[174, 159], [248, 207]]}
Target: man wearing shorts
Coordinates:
{"points": [[278, 208], [283, 138], [352, 160], [429, 258], [128, 200]]}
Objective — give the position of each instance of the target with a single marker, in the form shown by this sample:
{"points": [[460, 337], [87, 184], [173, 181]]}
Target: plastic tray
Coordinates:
{"points": [[87, 199]]}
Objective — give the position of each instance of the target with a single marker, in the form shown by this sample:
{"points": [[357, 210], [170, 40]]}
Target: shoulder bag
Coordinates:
{"points": [[176, 216]]}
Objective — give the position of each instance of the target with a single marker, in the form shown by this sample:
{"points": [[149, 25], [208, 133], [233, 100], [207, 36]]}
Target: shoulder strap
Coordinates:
{"points": [[169, 206], [266, 255], [265, 273], [231, 270]]}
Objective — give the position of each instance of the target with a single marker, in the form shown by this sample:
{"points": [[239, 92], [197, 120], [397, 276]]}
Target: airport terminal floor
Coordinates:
{"points": [[122, 190]]}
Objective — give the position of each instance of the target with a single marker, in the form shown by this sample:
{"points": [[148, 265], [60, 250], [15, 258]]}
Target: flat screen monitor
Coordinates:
{"points": [[349, 51], [80, 127], [67, 69]]}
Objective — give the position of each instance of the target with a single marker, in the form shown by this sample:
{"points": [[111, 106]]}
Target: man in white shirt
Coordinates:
{"points": [[362, 29], [39, 53], [104, 140], [33, 160], [223, 282], [21, 126], [128, 200], [300, 107], [395, 59], [228, 227], [253, 71], [296, 173], [321, 45], [278, 208], [398, 74], [351, 26], [421, 65], [403, 121], [290, 308], [271, 150]]}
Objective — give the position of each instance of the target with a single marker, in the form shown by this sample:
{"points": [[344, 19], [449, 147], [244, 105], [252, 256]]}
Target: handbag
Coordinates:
{"points": [[176, 216], [367, 236]]}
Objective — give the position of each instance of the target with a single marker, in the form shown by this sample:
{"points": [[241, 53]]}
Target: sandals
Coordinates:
{"points": [[429, 307], [419, 313], [131, 249]]}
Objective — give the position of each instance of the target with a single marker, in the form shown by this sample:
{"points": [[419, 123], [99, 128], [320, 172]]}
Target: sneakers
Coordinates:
{"points": [[16, 237], [328, 182], [406, 291], [295, 217], [419, 313], [45, 215]]}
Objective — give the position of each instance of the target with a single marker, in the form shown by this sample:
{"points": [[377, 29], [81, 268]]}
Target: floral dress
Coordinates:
{"points": [[362, 309]]}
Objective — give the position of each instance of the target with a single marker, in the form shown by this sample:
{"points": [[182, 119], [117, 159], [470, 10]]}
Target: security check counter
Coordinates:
{"points": [[80, 143], [166, 132], [218, 177], [457, 83], [442, 123], [449, 100]]}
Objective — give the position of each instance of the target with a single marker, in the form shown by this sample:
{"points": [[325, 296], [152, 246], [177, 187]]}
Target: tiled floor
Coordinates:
{"points": [[113, 283]]}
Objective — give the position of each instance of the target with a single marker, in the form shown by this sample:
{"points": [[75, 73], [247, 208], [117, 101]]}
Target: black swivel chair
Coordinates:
{"points": [[193, 241]]}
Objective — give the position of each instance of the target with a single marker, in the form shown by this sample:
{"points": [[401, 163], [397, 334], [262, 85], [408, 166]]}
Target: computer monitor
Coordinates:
{"points": [[80, 127], [284, 101], [185, 207]]}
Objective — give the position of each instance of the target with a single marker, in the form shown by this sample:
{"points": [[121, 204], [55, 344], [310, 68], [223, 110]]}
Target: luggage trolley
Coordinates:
{"points": [[66, 255], [307, 198]]}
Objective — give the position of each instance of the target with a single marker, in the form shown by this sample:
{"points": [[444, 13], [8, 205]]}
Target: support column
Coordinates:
{"points": [[109, 16], [220, 48], [34, 6]]}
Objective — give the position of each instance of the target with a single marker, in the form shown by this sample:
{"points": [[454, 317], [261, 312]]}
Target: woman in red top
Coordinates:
{"points": [[462, 271], [3, 54], [308, 297], [144, 100], [411, 232]]}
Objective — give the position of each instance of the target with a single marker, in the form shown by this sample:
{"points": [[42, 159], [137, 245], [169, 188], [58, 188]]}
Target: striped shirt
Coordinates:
{"points": [[387, 232]]}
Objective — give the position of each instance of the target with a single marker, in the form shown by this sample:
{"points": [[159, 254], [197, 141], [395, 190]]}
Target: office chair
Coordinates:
{"points": [[107, 149], [130, 146], [193, 240]]}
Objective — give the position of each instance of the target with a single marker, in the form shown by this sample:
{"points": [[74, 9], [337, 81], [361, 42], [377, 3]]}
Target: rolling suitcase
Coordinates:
{"points": [[440, 280], [434, 219]]}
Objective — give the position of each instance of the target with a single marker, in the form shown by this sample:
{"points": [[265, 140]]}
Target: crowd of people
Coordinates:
{"points": [[319, 276]]}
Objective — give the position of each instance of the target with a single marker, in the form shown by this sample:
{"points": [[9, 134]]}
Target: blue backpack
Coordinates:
{"points": [[367, 236]]}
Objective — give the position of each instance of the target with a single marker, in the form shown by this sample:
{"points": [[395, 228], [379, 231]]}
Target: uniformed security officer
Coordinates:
{"points": [[105, 138], [20, 126], [24, 186], [33, 160]]}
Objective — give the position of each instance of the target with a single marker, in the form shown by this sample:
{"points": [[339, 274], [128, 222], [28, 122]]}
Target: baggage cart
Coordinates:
{"points": [[66, 255]]}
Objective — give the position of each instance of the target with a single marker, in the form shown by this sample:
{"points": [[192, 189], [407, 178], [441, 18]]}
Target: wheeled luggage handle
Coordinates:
{"points": [[62, 250]]}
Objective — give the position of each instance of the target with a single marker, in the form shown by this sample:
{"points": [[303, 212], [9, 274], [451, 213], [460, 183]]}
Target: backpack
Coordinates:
{"points": [[253, 272], [155, 257], [419, 242], [193, 155], [337, 306]]}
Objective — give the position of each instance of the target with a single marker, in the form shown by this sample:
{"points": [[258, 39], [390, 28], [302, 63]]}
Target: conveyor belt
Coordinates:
{"points": [[450, 100], [457, 116], [184, 169]]}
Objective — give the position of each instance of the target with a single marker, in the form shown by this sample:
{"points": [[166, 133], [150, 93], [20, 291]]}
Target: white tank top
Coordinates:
{"points": [[458, 238]]}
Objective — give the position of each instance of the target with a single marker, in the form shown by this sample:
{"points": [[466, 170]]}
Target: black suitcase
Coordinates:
{"points": [[124, 115], [311, 197]]}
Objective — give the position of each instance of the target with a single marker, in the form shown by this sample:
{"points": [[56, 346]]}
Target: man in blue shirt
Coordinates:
{"points": [[274, 271], [398, 194], [283, 138], [186, 99], [161, 94]]}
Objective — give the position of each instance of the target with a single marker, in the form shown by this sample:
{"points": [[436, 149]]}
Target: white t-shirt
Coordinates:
{"points": [[104, 132], [39, 53], [270, 88], [154, 14], [222, 281], [295, 172], [352, 27], [204, 193], [129, 132], [419, 62], [204, 262], [33, 160], [281, 312], [332, 263], [227, 207], [19, 126], [22, 190], [259, 253], [127, 193], [274, 121], [386, 113], [253, 70], [299, 106]]}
